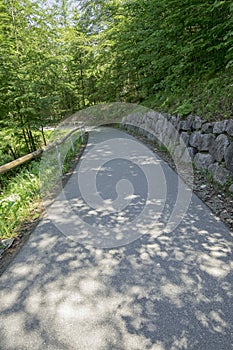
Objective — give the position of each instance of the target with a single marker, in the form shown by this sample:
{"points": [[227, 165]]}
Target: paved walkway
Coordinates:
{"points": [[164, 290]]}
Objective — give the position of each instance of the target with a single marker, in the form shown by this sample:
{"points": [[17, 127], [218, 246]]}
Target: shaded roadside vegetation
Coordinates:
{"points": [[20, 198], [169, 55]]}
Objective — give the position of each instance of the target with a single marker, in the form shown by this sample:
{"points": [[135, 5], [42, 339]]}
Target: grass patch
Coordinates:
{"points": [[71, 154], [209, 97], [20, 198], [20, 201]]}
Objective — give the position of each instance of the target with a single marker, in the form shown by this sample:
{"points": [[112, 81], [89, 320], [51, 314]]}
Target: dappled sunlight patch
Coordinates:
{"points": [[65, 257], [54, 296], [213, 321], [89, 286], [15, 326], [23, 270], [129, 296], [179, 255], [214, 267], [76, 313], [173, 292], [33, 302], [158, 346], [180, 342], [44, 243], [227, 287], [188, 281]]}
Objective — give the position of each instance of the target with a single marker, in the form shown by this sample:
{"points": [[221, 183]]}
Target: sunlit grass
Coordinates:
{"points": [[20, 199]]}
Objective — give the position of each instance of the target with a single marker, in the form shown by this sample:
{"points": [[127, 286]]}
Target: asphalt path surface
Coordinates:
{"points": [[110, 275]]}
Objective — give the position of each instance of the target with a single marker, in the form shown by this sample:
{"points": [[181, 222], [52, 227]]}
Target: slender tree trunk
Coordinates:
{"points": [[12, 152], [43, 135], [32, 141], [26, 140]]}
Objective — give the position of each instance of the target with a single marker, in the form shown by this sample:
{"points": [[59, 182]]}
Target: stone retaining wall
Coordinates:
{"points": [[210, 144]]}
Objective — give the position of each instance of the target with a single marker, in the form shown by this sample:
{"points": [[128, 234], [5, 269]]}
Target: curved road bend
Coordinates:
{"points": [[72, 289]]}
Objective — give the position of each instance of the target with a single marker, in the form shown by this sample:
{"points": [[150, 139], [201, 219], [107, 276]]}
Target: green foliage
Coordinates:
{"points": [[19, 201], [71, 153], [12, 145], [169, 55], [21, 196], [185, 108], [36, 88], [163, 53]]}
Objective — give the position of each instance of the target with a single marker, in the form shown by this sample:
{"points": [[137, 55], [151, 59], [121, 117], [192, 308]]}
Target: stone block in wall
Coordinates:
{"points": [[230, 127], [212, 168], [197, 123], [194, 139], [207, 127], [180, 153], [206, 140], [159, 126], [231, 188], [192, 152], [165, 134], [146, 124], [220, 174], [218, 147], [186, 125], [153, 126], [137, 118], [201, 141], [167, 116], [152, 115], [185, 137], [173, 137], [175, 121], [229, 157], [203, 160], [129, 119], [151, 123], [220, 127]]}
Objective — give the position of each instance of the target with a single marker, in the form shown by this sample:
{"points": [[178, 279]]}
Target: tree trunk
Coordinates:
{"points": [[43, 135], [33, 145], [26, 140], [14, 155]]}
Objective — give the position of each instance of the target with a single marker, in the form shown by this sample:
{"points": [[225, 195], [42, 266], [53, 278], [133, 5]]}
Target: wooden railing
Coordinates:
{"points": [[11, 165]]}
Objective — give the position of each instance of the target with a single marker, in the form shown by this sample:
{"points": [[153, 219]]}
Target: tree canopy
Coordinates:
{"points": [[62, 56]]}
